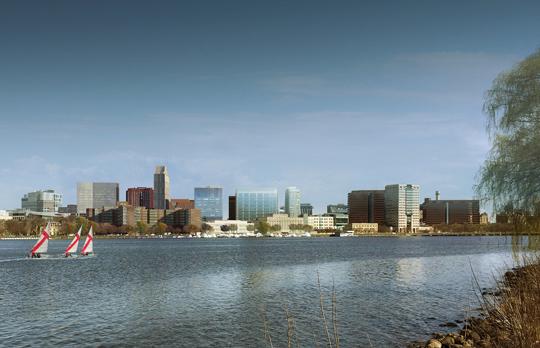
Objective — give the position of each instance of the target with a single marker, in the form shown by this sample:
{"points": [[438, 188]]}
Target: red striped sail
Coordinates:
{"points": [[72, 247], [42, 244], [88, 247]]}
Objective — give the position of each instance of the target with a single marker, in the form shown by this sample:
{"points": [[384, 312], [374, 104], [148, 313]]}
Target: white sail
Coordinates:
{"points": [[42, 245], [88, 247], [72, 247]]}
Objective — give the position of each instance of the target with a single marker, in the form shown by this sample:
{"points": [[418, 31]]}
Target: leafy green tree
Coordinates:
{"points": [[206, 228], [127, 230], [276, 228], [191, 228], [250, 228], [16, 227], [159, 228], [142, 227], [307, 228], [511, 173], [262, 226]]}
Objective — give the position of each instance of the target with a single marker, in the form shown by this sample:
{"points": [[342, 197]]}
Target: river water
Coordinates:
{"points": [[216, 293]]}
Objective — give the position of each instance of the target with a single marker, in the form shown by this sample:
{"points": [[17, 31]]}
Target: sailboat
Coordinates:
{"points": [[42, 244], [72, 247], [88, 247]]}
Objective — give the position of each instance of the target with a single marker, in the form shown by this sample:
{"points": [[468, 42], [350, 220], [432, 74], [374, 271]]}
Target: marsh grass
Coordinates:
{"points": [[328, 321], [512, 310]]}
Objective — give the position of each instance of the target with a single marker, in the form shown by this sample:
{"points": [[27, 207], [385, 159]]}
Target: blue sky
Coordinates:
{"points": [[325, 96]]}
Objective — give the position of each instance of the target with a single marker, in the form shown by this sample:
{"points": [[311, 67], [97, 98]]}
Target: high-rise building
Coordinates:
{"points": [[402, 208], [161, 188], [182, 203], [337, 209], [292, 202], [140, 197], [69, 209], [232, 207], [306, 209], [42, 201], [254, 204], [366, 206], [435, 212], [96, 195], [209, 200]]}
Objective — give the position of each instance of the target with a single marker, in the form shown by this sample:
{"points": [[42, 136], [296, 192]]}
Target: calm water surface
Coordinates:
{"points": [[214, 293]]}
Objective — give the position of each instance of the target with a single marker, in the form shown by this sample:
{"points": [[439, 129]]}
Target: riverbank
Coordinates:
{"points": [[510, 316], [316, 235]]}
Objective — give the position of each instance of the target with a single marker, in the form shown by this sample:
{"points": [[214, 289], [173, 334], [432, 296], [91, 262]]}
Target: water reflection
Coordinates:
{"points": [[213, 293]]}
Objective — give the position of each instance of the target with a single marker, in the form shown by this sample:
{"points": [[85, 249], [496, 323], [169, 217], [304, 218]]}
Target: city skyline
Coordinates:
{"points": [[161, 170], [364, 94]]}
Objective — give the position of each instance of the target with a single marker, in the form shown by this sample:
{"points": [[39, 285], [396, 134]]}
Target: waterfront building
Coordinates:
{"points": [[484, 219], [341, 220], [70, 209], [254, 204], [402, 208], [284, 221], [179, 218], [292, 202], [96, 195], [232, 227], [209, 200], [161, 188], [319, 222], [364, 227], [337, 209], [366, 206], [232, 207], [47, 201], [129, 215], [503, 219], [182, 203], [438, 211], [140, 197], [306, 209], [4, 215]]}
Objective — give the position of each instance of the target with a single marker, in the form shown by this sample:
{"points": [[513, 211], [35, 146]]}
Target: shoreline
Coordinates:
{"points": [[314, 235], [499, 322]]}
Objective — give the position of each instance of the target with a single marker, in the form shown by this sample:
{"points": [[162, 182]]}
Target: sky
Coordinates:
{"points": [[328, 96]]}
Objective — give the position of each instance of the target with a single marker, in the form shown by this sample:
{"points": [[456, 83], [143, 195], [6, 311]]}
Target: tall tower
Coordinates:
{"points": [[292, 202], [402, 210], [161, 188], [210, 202]]}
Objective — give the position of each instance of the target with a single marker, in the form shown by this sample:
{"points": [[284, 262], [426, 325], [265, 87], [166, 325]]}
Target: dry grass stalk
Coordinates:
{"points": [[513, 316]]}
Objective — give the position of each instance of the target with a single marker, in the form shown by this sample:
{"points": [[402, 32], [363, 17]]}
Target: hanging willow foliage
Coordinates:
{"points": [[510, 176]]}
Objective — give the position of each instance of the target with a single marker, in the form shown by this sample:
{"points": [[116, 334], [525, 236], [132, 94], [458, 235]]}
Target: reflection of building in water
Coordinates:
{"points": [[411, 270], [534, 242]]}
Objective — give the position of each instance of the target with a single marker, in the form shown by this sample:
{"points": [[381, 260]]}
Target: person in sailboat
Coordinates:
{"points": [[88, 247], [74, 244], [42, 244]]}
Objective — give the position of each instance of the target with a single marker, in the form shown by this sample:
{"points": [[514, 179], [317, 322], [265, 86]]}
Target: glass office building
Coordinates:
{"points": [[292, 202], [209, 200], [96, 195], [254, 204]]}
